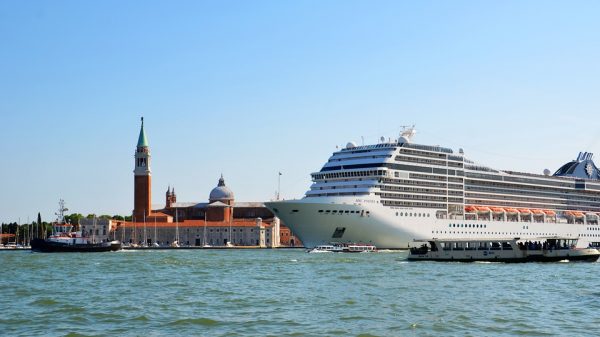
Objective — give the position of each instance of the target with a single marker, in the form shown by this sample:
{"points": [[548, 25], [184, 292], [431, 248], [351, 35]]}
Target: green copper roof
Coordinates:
{"points": [[142, 140]]}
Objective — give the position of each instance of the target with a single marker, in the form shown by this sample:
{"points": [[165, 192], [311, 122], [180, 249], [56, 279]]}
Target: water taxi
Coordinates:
{"points": [[350, 247], [545, 249]]}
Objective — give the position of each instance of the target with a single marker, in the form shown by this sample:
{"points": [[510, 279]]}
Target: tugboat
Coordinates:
{"points": [[546, 249], [64, 239]]}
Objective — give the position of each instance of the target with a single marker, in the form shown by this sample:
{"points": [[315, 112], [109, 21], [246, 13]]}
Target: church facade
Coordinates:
{"points": [[219, 222]]}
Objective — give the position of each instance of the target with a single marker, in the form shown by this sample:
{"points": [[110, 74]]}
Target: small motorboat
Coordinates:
{"points": [[349, 247]]}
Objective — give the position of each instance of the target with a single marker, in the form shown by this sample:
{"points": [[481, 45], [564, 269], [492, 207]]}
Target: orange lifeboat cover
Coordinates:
{"points": [[497, 209], [549, 212], [470, 208], [524, 210], [511, 210], [538, 211], [483, 209]]}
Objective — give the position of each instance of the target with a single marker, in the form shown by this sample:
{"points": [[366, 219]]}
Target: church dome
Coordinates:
{"points": [[221, 192]]}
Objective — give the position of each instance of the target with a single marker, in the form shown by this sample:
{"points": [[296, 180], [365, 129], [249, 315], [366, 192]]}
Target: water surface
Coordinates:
{"points": [[290, 293]]}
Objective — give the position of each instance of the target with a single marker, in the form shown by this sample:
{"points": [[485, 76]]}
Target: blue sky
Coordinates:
{"points": [[251, 88]]}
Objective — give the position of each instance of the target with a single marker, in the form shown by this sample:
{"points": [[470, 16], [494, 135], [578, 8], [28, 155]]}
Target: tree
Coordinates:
{"points": [[39, 228], [74, 218]]}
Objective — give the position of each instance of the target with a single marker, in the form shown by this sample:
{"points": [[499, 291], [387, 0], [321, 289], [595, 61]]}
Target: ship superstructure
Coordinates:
{"points": [[394, 192]]}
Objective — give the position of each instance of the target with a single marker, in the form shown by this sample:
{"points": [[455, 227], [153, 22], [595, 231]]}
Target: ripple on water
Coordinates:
{"points": [[201, 321], [44, 302]]}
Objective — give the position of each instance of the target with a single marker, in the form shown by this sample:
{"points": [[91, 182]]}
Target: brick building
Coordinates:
{"points": [[220, 221]]}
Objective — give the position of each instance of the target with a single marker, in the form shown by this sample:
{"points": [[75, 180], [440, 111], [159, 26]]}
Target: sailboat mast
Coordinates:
{"points": [[204, 234], [145, 235], [177, 225]]}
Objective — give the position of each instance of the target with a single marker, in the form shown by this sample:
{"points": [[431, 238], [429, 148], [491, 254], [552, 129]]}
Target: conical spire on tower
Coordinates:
{"points": [[142, 140]]}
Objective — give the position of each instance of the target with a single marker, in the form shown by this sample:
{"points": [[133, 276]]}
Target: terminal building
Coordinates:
{"points": [[219, 222]]}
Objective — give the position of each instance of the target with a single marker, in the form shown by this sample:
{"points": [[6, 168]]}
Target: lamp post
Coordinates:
{"points": [[278, 185]]}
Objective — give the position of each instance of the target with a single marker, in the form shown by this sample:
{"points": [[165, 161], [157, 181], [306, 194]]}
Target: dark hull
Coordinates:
{"points": [[537, 258], [43, 246]]}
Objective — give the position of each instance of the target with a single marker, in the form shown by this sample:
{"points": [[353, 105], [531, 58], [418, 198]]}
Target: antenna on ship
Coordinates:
{"points": [[408, 131]]}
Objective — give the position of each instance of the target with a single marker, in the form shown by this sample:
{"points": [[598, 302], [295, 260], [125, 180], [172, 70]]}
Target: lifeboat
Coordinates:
{"points": [[483, 209], [593, 216], [574, 214], [497, 209], [537, 212], [524, 211], [549, 212], [511, 210], [470, 209]]}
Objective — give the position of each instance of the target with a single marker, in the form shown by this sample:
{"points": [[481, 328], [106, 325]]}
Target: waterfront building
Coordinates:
{"points": [[220, 221]]}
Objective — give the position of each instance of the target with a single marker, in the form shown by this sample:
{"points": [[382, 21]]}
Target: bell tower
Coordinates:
{"points": [[142, 178], [171, 197]]}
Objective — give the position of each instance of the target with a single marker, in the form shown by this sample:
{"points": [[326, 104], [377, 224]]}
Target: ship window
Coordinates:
{"points": [[327, 211], [334, 211], [347, 212], [396, 213], [320, 211]]}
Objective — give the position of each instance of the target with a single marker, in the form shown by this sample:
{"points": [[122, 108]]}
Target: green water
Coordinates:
{"points": [[290, 293]]}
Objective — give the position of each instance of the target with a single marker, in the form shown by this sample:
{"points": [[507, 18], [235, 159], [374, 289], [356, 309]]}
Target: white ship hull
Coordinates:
{"points": [[367, 221]]}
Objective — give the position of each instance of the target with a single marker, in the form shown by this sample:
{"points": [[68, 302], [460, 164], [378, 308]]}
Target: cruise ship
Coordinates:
{"points": [[395, 192]]}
